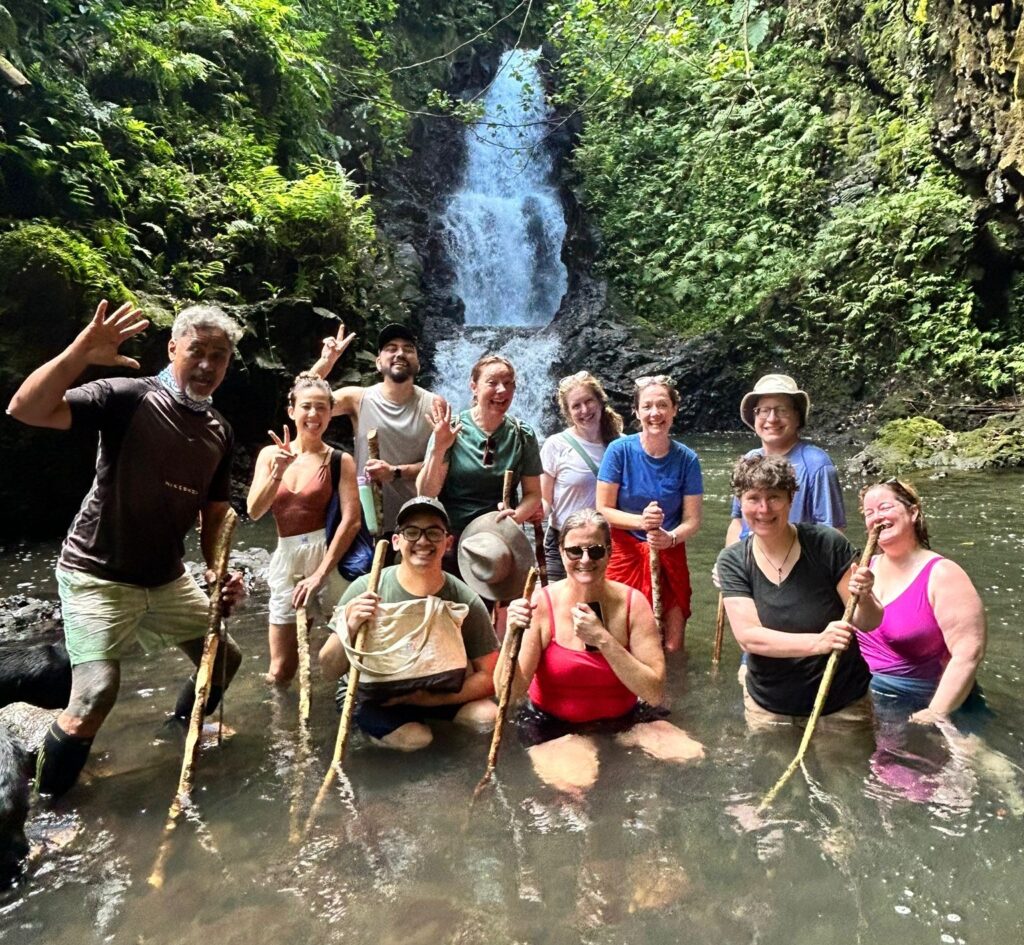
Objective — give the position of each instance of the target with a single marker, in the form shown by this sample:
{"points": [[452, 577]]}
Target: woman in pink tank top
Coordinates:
{"points": [[292, 479], [932, 638], [591, 652]]}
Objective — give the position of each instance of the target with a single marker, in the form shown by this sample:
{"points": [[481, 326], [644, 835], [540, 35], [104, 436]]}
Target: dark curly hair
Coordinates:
{"points": [[763, 472]]}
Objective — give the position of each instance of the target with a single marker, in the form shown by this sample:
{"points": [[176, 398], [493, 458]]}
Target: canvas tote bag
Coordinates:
{"points": [[414, 644]]}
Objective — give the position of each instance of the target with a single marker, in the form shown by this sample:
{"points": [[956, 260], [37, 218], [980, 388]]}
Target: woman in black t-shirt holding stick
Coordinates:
{"points": [[785, 587]]}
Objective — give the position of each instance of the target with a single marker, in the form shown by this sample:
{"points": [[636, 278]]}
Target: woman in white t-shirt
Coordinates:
{"points": [[570, 459]]}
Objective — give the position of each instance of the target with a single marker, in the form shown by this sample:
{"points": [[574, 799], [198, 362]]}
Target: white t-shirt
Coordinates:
{"points": [[575, 483]]}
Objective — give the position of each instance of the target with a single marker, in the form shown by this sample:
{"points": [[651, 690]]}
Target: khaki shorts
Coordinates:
{"points": [[297, 557], [857, 715], [103, 618]]}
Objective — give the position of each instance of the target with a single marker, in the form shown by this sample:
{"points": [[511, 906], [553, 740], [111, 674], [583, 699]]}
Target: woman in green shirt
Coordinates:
{"points": [[466, 460]]}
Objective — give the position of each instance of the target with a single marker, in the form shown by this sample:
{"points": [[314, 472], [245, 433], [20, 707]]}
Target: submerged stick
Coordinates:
{"points": [[826, 682], [716, 652], [514, 640], [373, 452], [204, 677], [344, 724], [302, 638], [656, 587]]}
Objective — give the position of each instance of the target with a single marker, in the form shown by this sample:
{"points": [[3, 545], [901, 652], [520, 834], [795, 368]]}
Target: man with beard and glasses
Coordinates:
{"points": [[396, 408], [164, 459]]}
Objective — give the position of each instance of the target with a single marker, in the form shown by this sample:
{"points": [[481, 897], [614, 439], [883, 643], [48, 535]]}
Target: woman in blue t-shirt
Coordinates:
{"points": [[650, 490]]}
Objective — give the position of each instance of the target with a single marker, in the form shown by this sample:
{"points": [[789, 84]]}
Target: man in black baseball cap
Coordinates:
{"points": [[396, 408]]}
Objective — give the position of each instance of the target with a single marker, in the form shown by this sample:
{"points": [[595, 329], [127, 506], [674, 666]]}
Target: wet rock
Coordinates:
{"points": [[920, 443], [29, 618]]}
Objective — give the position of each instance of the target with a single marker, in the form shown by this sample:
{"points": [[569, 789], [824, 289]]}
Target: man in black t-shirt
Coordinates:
{"points": [[164, 458]]}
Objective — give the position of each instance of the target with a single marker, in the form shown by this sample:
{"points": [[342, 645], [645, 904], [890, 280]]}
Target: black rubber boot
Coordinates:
{"points": [[187, 699], [61, 760]]}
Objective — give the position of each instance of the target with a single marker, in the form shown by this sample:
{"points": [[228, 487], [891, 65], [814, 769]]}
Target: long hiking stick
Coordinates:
{"points": [[656, 588], [204, 678], [302, 638], [826, 682], [716, 652], [373, 452], [345, 723], [512, 645]]}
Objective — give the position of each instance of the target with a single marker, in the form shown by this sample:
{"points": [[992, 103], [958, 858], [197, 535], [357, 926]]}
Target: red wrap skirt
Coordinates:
{"points": [[631, 564]]}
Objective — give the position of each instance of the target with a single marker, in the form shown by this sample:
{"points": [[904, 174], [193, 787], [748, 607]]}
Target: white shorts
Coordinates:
{"points": [[295, 558]]}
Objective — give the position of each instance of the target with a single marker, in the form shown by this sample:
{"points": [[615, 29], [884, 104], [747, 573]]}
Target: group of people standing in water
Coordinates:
{"points": [[620, 511]]}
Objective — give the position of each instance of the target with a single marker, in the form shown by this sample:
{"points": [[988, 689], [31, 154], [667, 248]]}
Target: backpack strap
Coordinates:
{"points": [[584, 455], [335, 468]]}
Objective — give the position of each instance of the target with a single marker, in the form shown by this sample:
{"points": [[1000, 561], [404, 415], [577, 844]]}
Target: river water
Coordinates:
{"points": [[912, 840]]}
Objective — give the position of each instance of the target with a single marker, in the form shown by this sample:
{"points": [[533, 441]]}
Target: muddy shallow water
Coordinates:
{"points": [[908, 837]]}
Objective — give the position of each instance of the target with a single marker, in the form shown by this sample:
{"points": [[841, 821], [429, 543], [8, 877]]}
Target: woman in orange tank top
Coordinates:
{"points": [[292, 480], [593, 662]]}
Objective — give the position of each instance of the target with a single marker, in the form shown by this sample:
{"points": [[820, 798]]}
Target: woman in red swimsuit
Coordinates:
{"points": [[592, 661]]}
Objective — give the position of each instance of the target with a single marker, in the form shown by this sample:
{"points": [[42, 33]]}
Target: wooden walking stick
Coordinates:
{"points": [[373, 451], [302, 637], [204, 677], [345, 723], [513, 642], [826, 682], [656, 587], [716, 652]]}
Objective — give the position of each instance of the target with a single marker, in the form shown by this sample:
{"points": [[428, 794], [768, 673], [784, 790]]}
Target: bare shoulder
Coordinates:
{"points": [[947, 575]]}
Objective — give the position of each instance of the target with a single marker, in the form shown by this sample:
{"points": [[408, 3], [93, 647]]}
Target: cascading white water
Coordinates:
{"points": [[504, 230]]}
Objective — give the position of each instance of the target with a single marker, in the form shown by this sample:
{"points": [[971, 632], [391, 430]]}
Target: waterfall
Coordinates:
{"points": [[504, 229]]}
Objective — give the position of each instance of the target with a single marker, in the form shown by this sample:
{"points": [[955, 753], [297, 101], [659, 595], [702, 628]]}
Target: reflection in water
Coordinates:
{"points": [[915, 838]]}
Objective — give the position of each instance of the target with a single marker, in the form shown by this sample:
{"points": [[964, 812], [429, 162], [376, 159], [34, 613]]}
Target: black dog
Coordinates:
{"points": [[39, 674], [14, 797]]}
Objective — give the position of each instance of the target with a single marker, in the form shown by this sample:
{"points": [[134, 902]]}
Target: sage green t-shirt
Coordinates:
{"points": [[477, 632], [472, 489]]}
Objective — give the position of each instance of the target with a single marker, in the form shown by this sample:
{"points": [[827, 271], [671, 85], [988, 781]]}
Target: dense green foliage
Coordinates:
{"points": [[742, 180]]}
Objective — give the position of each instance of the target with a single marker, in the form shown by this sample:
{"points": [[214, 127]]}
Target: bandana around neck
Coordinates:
{"points": [[166, 377]]}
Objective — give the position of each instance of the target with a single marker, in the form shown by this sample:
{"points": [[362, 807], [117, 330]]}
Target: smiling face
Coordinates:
{"points": [[199, 360], [777, 422], [586, 570], [494, 388], [655, 410], [584, 411], [422, 554], [766, 511], [398, 360], [311, 412], [881, 505]]}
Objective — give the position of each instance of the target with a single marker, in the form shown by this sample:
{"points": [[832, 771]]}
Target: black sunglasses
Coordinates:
{"points": [[488, 458], [594, 552]]}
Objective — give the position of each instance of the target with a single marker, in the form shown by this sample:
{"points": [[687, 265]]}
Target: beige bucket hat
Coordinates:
{"points": [[774, 384], [495, 557]]}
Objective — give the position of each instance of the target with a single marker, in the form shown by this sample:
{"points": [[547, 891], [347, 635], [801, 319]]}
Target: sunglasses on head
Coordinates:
{"points": [[593, 552], [649, 379], [573, 379], [487, 460]]}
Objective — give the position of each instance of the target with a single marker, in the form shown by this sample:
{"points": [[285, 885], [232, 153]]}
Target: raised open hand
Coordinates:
{"points": [[100, 339], [440, 418]]}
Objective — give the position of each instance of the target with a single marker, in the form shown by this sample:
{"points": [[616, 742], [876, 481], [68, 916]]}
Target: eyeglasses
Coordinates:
{"points": [[773, 500], [782, 413], [435, 534], [487, 460], [594, 552], [649, 379]]}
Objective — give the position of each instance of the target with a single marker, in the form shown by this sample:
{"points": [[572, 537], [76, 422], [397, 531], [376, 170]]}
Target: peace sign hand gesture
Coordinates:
{"points": [[99, 341], [335, 347], [283, 456]]}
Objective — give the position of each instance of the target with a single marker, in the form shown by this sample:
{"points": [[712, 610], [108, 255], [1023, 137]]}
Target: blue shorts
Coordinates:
{"points": [[378, 720]]}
